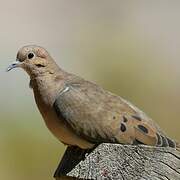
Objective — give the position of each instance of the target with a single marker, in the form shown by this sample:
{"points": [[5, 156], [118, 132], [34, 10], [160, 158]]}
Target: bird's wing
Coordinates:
{"points": [[100, 116]]}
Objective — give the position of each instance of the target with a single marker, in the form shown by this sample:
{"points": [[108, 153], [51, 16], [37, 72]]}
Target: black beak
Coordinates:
{"points": [[15, 64]]}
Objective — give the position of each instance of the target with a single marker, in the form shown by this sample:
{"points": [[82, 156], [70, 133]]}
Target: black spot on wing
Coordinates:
{"points": [[123, 127], [136, 117], [125, 119], [142, 128]]}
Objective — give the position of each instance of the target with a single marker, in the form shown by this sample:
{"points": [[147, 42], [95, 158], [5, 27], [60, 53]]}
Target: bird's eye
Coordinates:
{"points": [[30, 55]]}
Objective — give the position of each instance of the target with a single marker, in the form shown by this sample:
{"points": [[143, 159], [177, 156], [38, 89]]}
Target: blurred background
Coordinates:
{"points": [[131, 48]]}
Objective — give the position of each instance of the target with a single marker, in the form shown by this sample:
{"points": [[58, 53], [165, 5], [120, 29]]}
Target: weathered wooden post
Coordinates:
{"points": [[121, 162]]}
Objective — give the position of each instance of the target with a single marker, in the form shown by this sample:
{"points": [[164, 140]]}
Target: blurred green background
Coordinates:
{"points": [[131, 48]]}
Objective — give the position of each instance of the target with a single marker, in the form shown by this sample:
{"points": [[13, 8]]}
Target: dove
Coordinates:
{"points": [[81, 113]]}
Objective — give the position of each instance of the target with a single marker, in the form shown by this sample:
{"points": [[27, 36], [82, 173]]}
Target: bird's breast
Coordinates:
{"points": [[45, 97]]}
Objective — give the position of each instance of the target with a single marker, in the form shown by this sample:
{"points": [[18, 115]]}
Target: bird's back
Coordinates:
{"points": [[100, 116]]}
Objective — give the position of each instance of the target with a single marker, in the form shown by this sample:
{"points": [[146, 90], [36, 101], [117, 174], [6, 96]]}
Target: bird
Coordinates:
{"points": [[81, 113]]}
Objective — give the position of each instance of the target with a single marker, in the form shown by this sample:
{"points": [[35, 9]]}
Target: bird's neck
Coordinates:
{"points": [[46, 87]]}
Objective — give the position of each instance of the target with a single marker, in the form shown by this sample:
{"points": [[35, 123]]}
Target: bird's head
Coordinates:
{"points": [[35, 60]]}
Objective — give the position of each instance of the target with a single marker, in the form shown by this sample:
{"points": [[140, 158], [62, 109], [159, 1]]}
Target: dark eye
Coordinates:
{"points": [[30, 55]]}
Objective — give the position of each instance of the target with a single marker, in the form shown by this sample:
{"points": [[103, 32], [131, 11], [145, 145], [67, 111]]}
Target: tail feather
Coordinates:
{"points": [[164, 141]]}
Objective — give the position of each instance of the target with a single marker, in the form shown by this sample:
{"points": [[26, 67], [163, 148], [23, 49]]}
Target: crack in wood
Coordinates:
{"points": [[161, 175]]}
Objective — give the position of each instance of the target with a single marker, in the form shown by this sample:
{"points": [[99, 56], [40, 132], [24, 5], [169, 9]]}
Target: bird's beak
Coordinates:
{"points": [[15, 64]]}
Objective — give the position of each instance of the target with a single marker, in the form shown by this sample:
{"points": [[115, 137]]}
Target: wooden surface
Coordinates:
{"points": [[122, 162]]}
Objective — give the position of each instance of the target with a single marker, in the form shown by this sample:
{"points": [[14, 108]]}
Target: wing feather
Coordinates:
{"points": [[100, 116]]}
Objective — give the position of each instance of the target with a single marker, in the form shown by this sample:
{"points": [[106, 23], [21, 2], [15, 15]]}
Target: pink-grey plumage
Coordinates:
{"points": [[81, 113]]}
